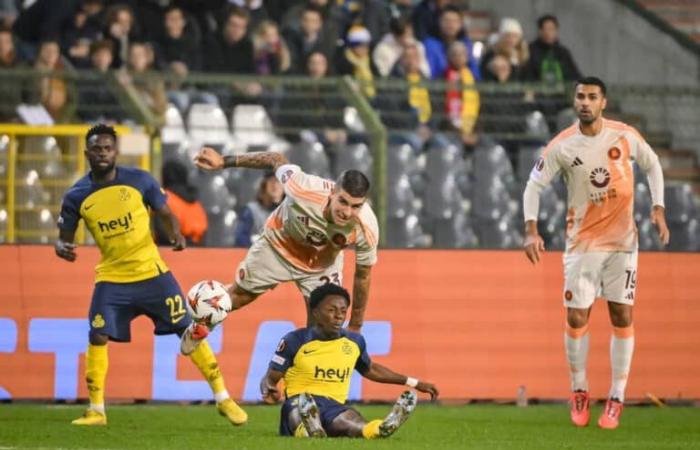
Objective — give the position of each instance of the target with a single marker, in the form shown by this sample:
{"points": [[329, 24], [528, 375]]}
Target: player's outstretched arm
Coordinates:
{"points": [[172, 228], [65, 248], [210, 159], [382, 374], [268, 386], [360, 294]]}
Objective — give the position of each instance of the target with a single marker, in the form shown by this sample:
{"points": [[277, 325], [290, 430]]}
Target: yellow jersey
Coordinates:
{"points": [[117, 215], [321, 367]]}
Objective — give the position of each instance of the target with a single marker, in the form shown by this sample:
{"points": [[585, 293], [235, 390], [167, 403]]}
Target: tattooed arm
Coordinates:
{"points": [[210, 159]]}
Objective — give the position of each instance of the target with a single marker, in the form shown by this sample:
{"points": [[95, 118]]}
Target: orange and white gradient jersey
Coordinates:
{"points": [[302, 236], [599, 178]]}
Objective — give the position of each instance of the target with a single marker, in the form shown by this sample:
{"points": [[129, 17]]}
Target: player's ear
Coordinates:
{"points": [[604, 103]]}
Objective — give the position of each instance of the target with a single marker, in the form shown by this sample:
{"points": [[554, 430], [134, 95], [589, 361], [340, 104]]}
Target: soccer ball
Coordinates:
{"points": [[208, 303]]}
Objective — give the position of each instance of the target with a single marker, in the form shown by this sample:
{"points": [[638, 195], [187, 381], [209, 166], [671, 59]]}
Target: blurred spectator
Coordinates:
{"points": [[250, 224], [148, 84], [392, 45], [398, 9], [10, 88], [510, 43], [426, 18], [550, 62], [311, 37], [96, 103], [461, 99], [451, 30], [371, 14], [81, 31], [230, 50], [498, 69], [8, 13], [330, 14], [276, 9], [178, 47], [121, 29], [256, 11], [354, 59], [40, 22], [271, 54], [183, 201], [50, 87]]}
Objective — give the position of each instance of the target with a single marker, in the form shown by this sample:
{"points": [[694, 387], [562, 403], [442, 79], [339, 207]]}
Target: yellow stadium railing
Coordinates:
{"points": [[41, 163]]}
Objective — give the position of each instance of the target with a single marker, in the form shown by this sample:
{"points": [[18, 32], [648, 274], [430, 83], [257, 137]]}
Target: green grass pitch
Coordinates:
{"points": [[431, 427]]}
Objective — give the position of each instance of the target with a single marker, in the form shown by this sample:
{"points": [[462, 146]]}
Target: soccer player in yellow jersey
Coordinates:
{"points": [[317, 363], [595, 157], [131, 278], [304, 238]]}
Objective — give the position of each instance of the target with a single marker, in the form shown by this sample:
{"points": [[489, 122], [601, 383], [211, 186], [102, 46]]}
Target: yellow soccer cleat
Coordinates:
{"points": [[232, 412], [91, 417]]}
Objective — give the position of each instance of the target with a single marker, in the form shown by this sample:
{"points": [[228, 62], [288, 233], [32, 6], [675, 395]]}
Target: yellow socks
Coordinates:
{"points": [[371, 430], [300, 432], [203, 357], [96, 364]]}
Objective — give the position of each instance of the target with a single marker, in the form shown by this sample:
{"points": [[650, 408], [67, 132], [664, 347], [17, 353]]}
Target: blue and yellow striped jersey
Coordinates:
{"points": [[116, 213], [320, 367]]}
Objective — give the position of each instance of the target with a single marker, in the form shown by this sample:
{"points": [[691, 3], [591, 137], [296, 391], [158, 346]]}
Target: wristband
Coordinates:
{"points": [[411, 382], [230, 161]]}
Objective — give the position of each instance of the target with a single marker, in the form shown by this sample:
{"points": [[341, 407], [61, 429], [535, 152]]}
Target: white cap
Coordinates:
{"points": [[510, 25], [357, 34]]}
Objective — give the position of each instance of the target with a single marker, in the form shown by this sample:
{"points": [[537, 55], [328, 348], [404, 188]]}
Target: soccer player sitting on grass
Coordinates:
{"points": [[317, 363]]}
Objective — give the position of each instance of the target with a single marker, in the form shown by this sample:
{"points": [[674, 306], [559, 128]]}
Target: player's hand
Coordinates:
{"points": [[179, 243], [209, 159], [65, 250], [534, 245], [428, 388], [658, 218], [270, 393]]}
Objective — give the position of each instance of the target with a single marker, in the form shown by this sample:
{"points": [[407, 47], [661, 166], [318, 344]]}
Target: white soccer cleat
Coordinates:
{"points": [[310, 415], [400, 412]]}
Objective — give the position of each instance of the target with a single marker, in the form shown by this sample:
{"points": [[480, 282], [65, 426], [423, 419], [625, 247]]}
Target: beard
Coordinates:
{"points": [[99, 171]]}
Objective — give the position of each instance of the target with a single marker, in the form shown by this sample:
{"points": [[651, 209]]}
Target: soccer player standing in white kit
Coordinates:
{"points": [[595, 158]]}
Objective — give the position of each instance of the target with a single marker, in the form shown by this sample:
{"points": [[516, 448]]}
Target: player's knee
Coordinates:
{"points": [[577, 318], [98, 338], [621, 318]]}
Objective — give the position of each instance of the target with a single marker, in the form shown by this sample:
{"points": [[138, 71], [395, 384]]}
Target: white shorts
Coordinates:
{"points": [[263, 269], [611, 276]]}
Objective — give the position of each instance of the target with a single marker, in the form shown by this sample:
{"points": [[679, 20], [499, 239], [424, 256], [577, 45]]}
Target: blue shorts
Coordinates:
{"points": [[115, 305], [328, 408]]}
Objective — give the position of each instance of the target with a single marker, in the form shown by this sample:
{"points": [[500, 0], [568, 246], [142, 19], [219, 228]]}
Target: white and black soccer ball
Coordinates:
{"points": [[208, 302]]}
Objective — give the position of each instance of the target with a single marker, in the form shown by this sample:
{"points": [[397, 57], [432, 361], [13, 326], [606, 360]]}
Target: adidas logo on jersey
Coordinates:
{"points": [[577, 162]]}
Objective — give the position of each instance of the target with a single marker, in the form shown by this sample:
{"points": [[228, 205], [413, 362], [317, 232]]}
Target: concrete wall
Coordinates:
{"points": [[607, 39]]}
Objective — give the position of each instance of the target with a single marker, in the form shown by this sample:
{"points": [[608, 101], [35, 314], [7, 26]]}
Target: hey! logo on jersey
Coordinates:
{"points": [[331, 375], [122, 224]]}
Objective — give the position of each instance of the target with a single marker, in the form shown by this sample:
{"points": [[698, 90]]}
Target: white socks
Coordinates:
{"points": [[221, 396], [576, 344], [100, 408], [621, 350]]}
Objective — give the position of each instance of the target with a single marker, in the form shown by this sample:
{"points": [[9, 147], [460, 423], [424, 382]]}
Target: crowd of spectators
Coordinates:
{"points": [[366, 39]]}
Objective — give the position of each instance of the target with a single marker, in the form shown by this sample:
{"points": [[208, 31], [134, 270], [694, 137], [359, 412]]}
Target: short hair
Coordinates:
{"points": [[104, 44], [547, 18], [399, 25], [594, 81], [310, 7], [354, 183], [99, 129], [326, 290], [238, 12], [450, 9]]}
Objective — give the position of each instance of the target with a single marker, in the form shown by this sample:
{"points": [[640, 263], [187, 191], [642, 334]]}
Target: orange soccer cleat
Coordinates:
{"points": [[610, 419], [580, 408]]}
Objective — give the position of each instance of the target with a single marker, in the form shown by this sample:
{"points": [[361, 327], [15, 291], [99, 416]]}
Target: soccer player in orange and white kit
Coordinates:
{"points": [[595, 158], [304, 237]]}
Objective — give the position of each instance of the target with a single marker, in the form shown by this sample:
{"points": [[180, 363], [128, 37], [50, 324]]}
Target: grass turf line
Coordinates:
{"points": [[431, 427]]}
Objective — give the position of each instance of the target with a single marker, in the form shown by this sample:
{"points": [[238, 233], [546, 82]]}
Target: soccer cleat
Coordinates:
{"points": [[310, 415], [610, 419], [91, 417], [234, 413], [580, 408], [191, 338], [403, 408]]}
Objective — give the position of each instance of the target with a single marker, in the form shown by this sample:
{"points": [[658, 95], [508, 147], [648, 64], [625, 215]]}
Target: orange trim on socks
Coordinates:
{"points": [[623, 332], [576, 333]]}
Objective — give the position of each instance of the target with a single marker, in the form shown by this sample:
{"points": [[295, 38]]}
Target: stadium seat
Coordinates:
{"points": [[406, 233], [527, 157], [252, 126], [536, 126], [565, 118], [30, 192], [221, 229], [498, 233], [3, 226], [401, 201], [443, 160], [685, 237], [442, 198], [680, 204], [243, 185], [174, 131], [213, 195], [37, 226], [642, 202], [454, 232], [311, 157], [207, 125], [353, 121], [353, 156]]}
